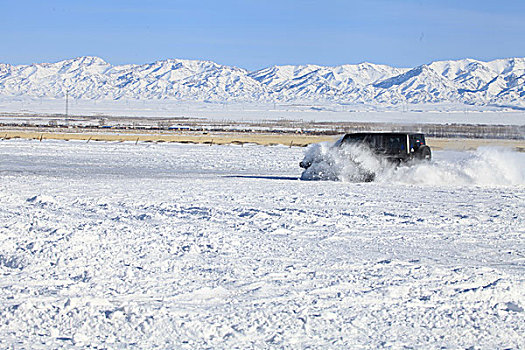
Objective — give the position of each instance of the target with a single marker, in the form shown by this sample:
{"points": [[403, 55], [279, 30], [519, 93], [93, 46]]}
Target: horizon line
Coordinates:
{"points": [[275, 65]]}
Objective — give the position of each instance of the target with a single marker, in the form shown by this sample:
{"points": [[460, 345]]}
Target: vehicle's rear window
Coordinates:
{"points": [[417, 140]]}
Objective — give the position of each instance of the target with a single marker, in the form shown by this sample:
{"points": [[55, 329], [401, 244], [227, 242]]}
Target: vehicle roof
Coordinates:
{"points": [[383, 133]]}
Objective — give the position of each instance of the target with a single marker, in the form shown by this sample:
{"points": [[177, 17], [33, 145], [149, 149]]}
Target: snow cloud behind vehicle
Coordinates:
{"points": [[352, 163]]}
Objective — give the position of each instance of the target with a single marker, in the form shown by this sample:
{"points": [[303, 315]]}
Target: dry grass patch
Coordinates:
{"points": [[300, 140]]}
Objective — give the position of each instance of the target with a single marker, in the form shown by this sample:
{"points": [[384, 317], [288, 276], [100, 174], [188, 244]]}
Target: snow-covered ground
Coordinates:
{"points": [[321, 112], [117, 245]]}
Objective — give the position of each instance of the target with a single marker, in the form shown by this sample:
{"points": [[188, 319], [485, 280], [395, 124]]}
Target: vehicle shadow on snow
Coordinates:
{"points": [[266, 177]]}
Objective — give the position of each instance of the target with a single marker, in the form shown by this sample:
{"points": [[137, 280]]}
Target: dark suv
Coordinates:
{"points": [[397, 147]]}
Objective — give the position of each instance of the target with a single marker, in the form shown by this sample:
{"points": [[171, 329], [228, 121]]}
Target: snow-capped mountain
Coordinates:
{"points": [[498, 82]]}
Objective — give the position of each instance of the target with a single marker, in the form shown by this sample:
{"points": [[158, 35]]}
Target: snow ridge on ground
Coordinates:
{"points": [[499, 82], [117, 245]]}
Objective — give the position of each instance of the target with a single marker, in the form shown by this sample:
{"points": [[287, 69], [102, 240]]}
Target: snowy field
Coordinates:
{"points": [[235, 112], [117, 245]]}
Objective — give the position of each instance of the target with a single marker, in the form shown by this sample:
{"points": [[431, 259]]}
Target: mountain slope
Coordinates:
{"points": [[464, 81]]}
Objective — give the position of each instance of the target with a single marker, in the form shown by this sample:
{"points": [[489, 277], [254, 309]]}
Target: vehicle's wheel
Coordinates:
{"points": [[369, 177], [423, 153], [305, 165]]}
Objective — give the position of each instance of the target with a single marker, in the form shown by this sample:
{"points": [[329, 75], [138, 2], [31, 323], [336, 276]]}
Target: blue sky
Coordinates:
{"points": [[256, 34]]}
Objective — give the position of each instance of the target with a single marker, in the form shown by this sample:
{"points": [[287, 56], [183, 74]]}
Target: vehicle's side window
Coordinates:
{"points": [[373, 141], [393, 142], [401, 142]]}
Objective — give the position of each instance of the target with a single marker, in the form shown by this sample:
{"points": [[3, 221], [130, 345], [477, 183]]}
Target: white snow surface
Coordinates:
{"points": [[117, 245], [34, 110], [500, 82]]}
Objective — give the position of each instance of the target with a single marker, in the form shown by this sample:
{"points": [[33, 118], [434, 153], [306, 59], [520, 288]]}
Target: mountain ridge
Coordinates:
{"points": [[468, 81]]}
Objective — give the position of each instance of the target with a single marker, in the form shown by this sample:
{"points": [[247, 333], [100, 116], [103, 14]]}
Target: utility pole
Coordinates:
{"points": [[67, 101]]}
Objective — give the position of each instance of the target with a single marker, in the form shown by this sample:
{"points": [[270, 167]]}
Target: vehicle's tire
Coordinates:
{"points": [[423, 153], [369, 177], [305, 165]]}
